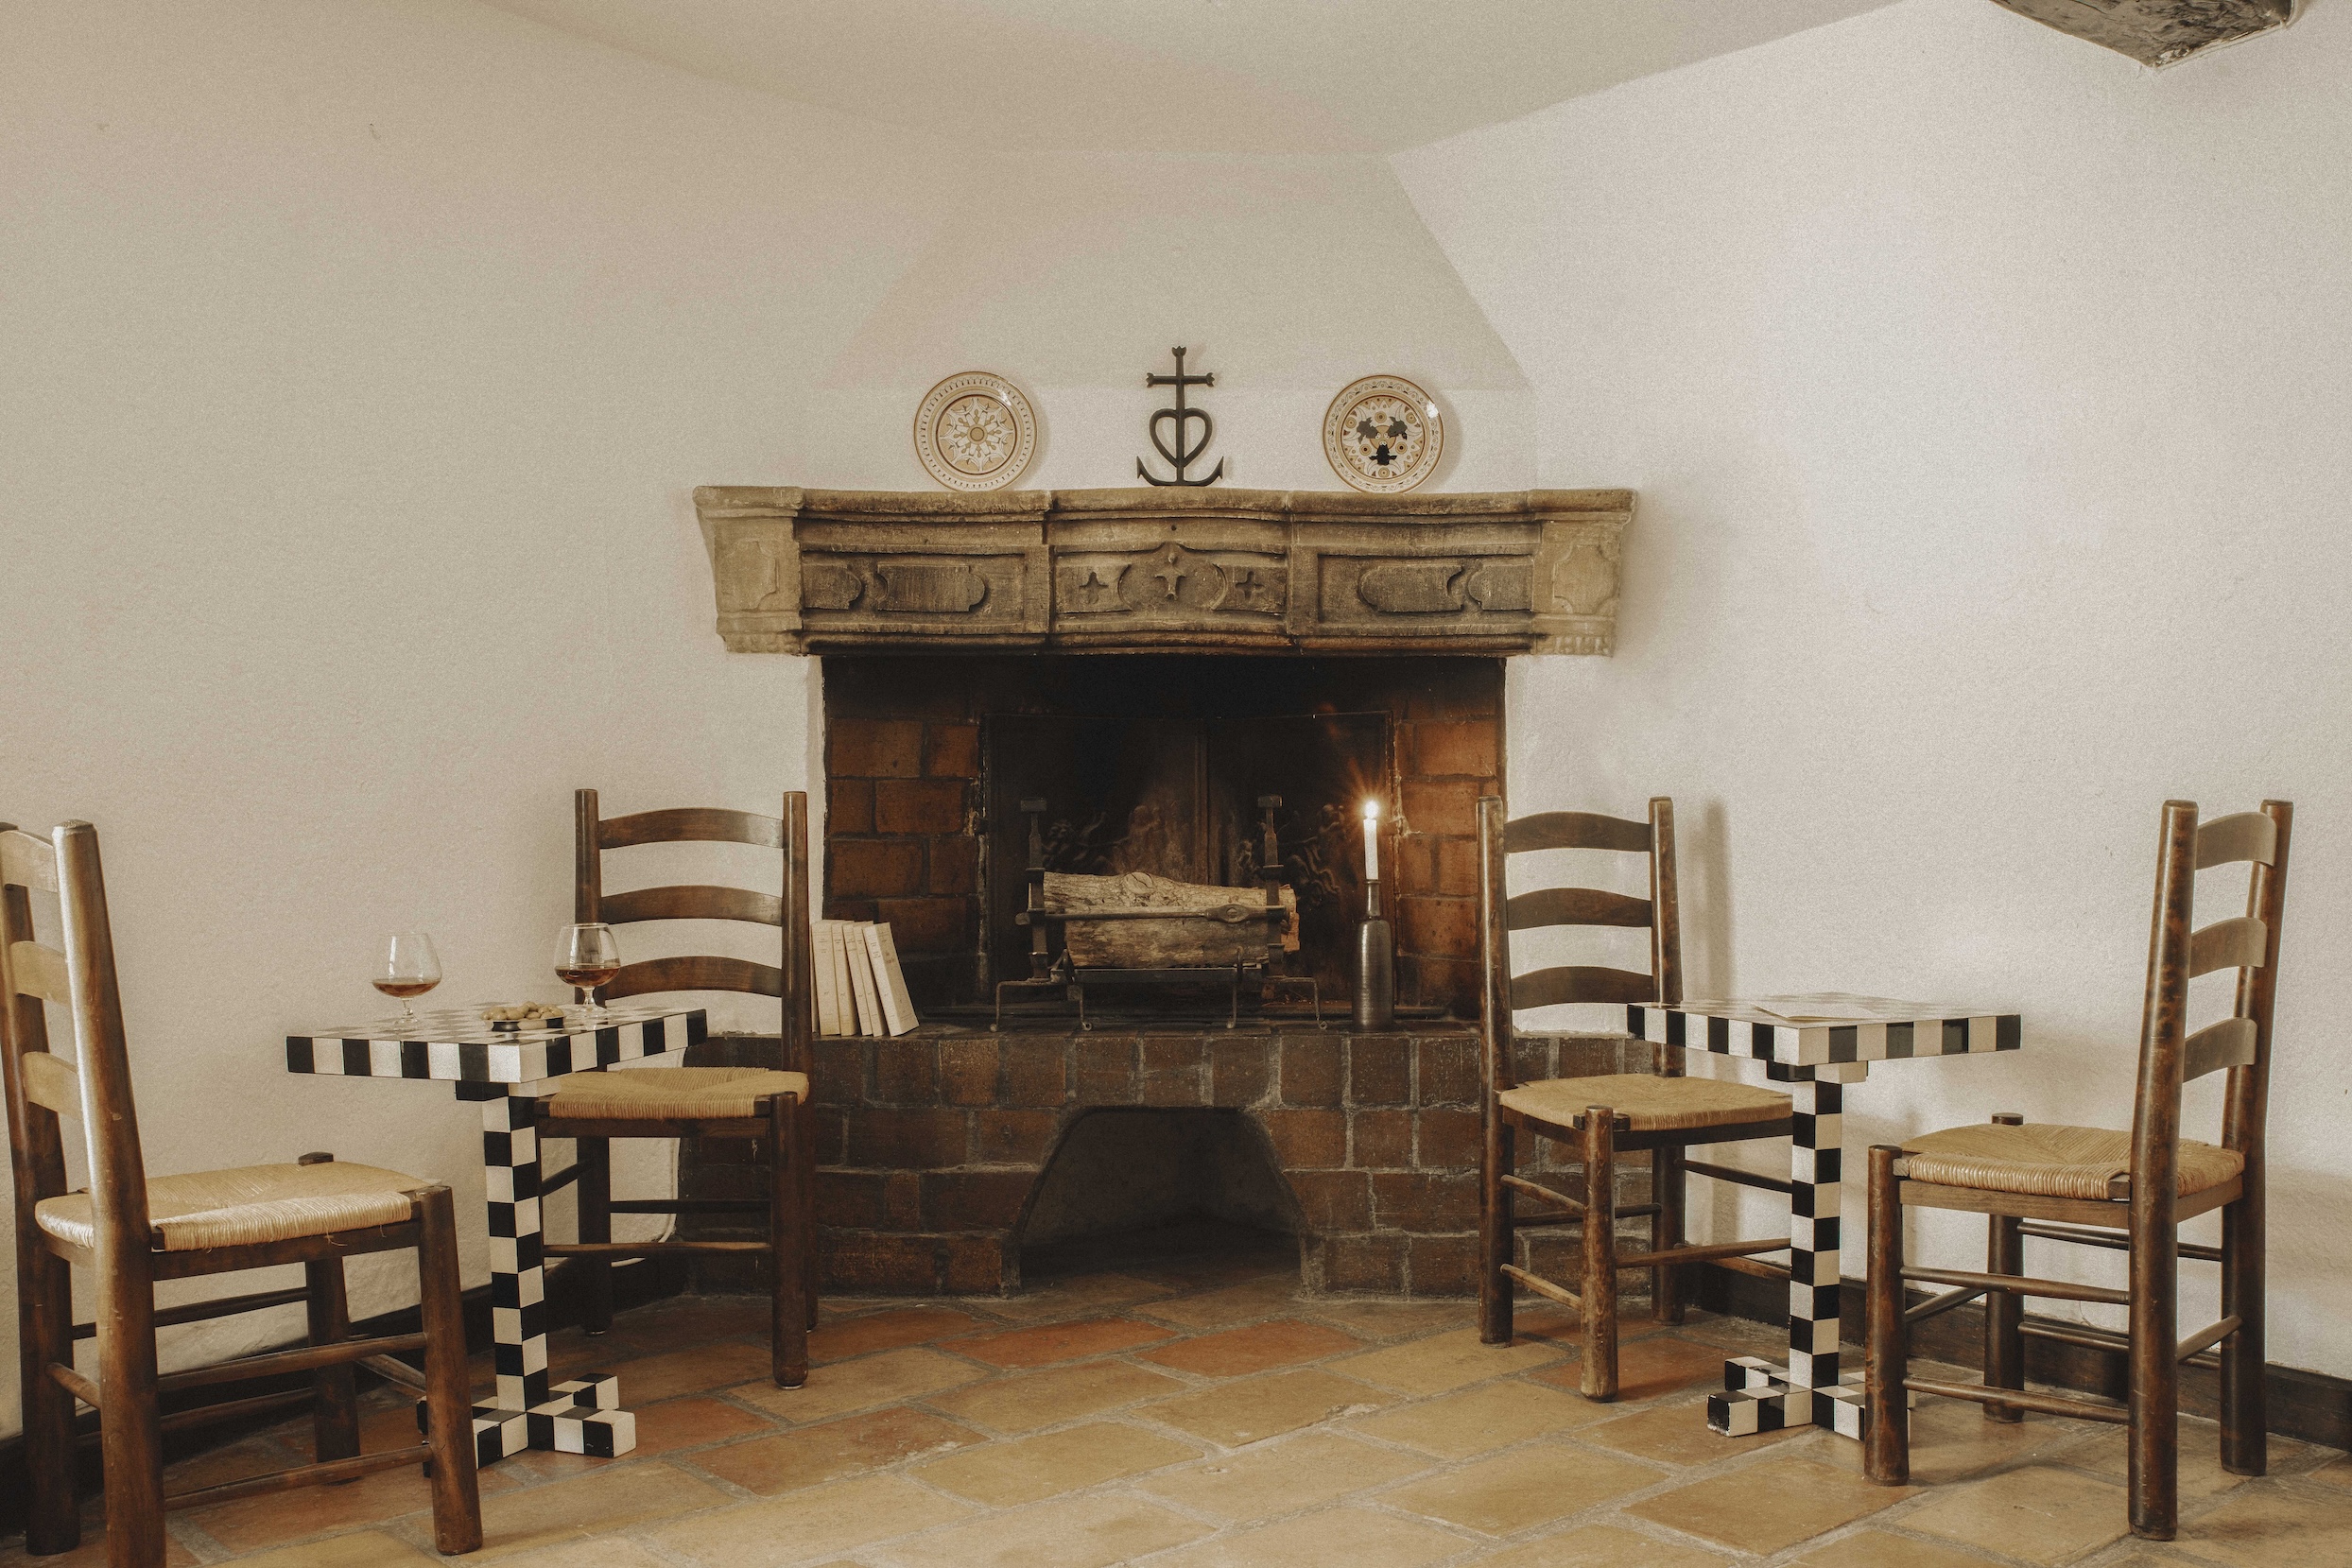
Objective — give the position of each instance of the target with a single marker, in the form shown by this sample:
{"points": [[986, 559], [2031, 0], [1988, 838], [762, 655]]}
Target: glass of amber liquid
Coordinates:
{"points": [[409, 968], [586, 956]]}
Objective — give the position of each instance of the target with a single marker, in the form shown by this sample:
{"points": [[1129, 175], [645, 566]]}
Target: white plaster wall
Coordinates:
{"points": [[1985, 393], [361, 361]]}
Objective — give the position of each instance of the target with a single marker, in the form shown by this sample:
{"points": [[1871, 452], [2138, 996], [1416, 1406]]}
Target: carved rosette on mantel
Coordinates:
{"points": [[1165, 570]]}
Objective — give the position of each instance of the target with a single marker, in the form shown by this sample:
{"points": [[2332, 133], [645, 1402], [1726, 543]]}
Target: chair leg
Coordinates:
{"points": [[2154, 1390], [2004, 1314], [1600, 1377], [44, 1294], [786, 1247], [804, 1133], [1669, 1188], [595, 1156], [130, 1421], [2245, 1415], [448, 1408], [1496, 1243], [1886, 1357], [334, 1397]]}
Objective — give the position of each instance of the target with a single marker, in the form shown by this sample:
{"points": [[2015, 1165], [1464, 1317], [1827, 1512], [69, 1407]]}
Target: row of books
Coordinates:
{"points": [[860, 989]]}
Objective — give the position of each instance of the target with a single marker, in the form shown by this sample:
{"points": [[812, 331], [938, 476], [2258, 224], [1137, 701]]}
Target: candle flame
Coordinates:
{"points": [[1372, 809]]}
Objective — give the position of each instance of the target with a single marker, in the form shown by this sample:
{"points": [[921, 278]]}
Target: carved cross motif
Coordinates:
{"points": [[1172, 573], [1247, 586], [1094, 590]]}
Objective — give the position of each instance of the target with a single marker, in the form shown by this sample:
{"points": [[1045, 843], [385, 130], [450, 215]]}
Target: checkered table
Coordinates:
{"points": [[1817, 1044], [509, 1071]]}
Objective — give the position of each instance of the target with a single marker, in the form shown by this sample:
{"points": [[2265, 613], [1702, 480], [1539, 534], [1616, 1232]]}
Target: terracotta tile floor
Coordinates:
{"points": [[1202, 1415]]}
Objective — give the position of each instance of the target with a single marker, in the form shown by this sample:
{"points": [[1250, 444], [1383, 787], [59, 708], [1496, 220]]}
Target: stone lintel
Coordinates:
{"points": [[1159, 570]]}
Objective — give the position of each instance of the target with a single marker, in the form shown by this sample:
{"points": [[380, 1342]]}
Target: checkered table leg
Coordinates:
{"points": [[1810, 1390], [583, 1416]]}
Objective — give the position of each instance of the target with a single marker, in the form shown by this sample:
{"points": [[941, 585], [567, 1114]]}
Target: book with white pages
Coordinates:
{"points": [[824, 940], [845, 996], [898, 1009], [861, 977]]}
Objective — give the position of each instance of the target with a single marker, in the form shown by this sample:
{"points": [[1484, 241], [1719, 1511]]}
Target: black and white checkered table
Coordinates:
{"points": [[509, 1071], [1817, 1044]]}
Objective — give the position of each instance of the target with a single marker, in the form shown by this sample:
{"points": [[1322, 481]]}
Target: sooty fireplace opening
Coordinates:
{"points": [[1156, 764], [1135, 1176]]}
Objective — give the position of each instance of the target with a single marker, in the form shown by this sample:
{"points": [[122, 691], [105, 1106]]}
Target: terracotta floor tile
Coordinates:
{"points": [[1443, 1362], [91, 1553], [886, 1330], [870, 1380], [1046, 1343], [1390, 1319], [274, 1519], [1261, 1348], [604, 1551], [1604, 1547], [821, 1521], [1768, 1506], [1237, 1303], [532, 1518], [1951, 1440], [807, 1456], [1336, 1538], [1878, 1549], [1281, 1478], [1679, 1435], [2275, 1524], [2038, 1512], [1027, 1401], [689, 1319], [1029, 1469], [1085, 1296], [2201, 1474], [368, 1549], [698, 1369], [669, 1427], [1250, 1409], [1080, 1532], [1477, 1420], [1526, 1487], [1648, 1368]]}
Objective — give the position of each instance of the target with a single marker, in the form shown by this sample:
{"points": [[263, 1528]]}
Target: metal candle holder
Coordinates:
{"points": [[1375, 965]]}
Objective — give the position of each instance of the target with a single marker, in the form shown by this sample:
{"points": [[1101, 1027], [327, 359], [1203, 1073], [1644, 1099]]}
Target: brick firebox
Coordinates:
{"points": [[933, 1145]]}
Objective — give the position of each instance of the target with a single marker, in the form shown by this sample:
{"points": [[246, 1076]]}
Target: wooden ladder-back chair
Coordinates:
{"points": [[2125, 1192], [132, 1230], [1604, 1116], [769, 1105]]}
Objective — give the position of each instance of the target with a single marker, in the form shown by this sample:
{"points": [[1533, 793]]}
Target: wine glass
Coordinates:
{"points": [[409, 968], [586, 956]]}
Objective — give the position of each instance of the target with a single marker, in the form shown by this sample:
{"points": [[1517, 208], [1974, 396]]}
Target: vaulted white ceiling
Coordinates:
{"points": [[1265, 76]]}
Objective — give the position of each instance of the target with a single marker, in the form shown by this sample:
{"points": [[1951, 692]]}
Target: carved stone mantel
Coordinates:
{"points": [[1164, 570]]}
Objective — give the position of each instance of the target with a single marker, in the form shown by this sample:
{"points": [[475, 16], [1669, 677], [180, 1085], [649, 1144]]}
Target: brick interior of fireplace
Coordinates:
{"points": [[914, 835]]}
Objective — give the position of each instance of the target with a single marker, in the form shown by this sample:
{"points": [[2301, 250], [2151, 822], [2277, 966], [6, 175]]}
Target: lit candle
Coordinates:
{"points": [[1372, 840]]}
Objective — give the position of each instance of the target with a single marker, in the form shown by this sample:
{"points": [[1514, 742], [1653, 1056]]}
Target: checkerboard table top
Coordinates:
{"points": [[1824, 1028], [459, 1045]]}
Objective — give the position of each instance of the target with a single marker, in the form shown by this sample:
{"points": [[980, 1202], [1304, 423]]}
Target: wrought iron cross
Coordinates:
{"points": [[1186, 451]]}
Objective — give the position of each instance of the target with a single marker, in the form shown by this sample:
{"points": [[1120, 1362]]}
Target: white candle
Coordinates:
{"points": [[1372, 840]]}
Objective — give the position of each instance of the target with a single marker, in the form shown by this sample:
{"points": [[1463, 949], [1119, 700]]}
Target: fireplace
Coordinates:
{"points": [[1157, 764], [1149, 663]]}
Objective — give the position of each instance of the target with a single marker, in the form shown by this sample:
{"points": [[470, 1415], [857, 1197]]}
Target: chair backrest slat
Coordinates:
{"points": [[109, 1127], [52, 1084], [1547, 906], [698, 973], [2243, 941], [1502, 994], [40, 971], [1575, 829], [2245, 836], [691, 824], [26, 861], [1566, 983], [2228, 1042], [692, 902]]}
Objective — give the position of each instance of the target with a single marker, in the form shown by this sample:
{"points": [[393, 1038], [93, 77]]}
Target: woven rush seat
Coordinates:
{"points": [[653, 1093], [1648, 1103], [251, 1205], [2049, 1160]]}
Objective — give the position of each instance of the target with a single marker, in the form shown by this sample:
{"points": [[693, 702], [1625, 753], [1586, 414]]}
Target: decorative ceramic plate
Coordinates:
{"points": [[1383, 434], [976, 431]]}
